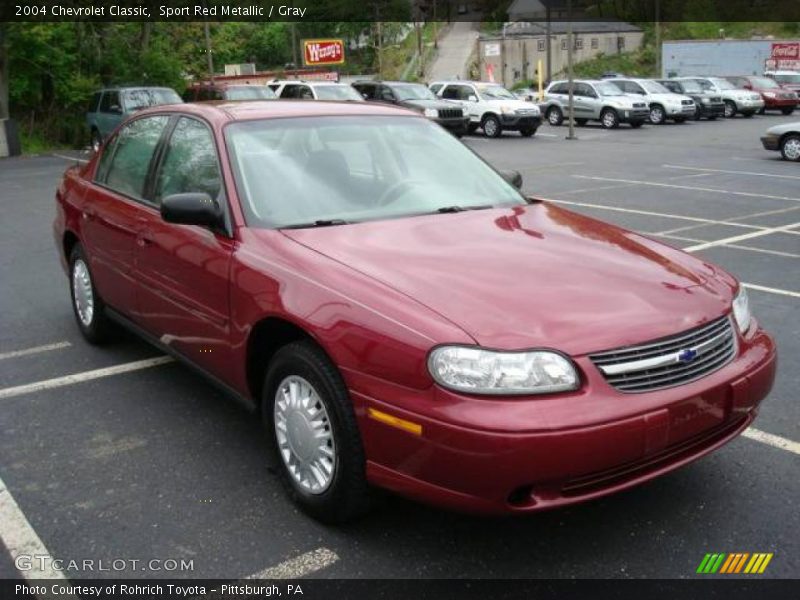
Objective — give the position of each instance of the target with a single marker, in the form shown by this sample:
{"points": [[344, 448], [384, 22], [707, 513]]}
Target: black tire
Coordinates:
{"points": [[790, 147], [679, 120], [491, 126], [747, 115], [581, 122], [636, 124], [472, 128], [527, 131], [98, 329], [348, 494], [712, 118], [554, 116], [658, 116], [763, 111], [609, 118], [787, 110], [730, 109], [96, 140]]}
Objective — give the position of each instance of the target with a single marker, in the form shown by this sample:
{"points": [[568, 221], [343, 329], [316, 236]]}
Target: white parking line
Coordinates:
{"points": [[738, 247], [710, 171], [21, 540], [762, 288], [300, 566], [34, 350], [688, 187], [84, 376], [773, 440], [739, 238], [764, 213]]}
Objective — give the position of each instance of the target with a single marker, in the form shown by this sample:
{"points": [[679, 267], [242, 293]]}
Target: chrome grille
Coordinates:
{"points": [[639, 105], [671, 361], [687, 102], [450, 113]]}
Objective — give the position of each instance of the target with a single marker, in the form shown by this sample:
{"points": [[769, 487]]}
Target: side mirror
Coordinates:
{"points": [[512, 177], [472, 98], [195, 208]]}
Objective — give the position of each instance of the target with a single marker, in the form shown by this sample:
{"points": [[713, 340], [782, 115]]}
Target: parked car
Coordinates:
{"points": [[399, 315], [708, 105], [205, 91], [593, 101], [416, 97], [775, 96], [490, 107], [784, 138], [737, 100], [296, 89], [788, 79], [109, 107], [663, 104]]}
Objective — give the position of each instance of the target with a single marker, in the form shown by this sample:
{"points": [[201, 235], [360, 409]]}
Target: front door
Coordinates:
{"points": [[183, 270]]}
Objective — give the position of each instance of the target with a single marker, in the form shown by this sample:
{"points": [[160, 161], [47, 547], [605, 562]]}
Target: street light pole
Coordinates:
{"points": [[658, 39], [570, 74]]}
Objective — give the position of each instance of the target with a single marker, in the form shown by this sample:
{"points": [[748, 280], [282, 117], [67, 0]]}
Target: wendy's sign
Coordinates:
{"points": [[323, 52]]}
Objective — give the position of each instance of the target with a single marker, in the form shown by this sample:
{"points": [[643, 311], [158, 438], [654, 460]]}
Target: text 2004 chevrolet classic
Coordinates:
{"points": [[399, 314]]}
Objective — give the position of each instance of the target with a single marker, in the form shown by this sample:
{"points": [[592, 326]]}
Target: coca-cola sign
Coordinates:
{"points": [[785, 51], [323, 52]]}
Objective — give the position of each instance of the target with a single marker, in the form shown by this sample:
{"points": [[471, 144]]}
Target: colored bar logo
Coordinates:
{"points": [[736, 562]]}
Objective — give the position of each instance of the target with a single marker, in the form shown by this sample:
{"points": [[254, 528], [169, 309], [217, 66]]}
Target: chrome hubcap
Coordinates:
{"points": [[304, 434], [608, 119], [728, 110], [490, 128], [82, 292], [554, 117], [792, 149], [656, 115]]}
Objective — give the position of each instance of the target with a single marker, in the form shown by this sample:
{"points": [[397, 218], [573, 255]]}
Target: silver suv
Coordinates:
{"points": [[663, 103], [737, 100], [593, 101]]}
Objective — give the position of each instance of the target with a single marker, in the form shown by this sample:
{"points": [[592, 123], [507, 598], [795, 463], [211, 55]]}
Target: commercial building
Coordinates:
{"points": [[728, 57]]}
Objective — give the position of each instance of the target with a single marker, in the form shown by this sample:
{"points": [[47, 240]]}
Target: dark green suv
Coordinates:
{"points": [[110, 106]]}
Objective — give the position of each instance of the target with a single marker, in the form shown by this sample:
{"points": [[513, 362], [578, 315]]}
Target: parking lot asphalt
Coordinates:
{"points": [[155, 463]]}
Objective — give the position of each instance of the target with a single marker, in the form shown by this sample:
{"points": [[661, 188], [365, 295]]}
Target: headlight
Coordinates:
{"points": [[705, 100], [741, 310], [507, 111], [431, 113], [477, 371], [770, 94]]}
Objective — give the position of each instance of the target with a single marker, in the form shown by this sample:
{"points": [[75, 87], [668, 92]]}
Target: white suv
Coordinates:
{"points": [[299, 89], [663, 103], [736, 99], [491, 107]]}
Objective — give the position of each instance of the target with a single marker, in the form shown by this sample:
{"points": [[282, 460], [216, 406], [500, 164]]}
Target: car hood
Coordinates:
{"points": [[429, 104], [512, 104], [784, 128], [533, 276], [670, 98]]}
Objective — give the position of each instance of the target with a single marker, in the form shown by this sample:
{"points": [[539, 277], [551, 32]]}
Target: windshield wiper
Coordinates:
{"points": [[456, 208], [317, 223]]}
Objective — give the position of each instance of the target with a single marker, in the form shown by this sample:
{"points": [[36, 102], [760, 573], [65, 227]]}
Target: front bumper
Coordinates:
{"points": [[520, 122], [635, 115], [749, 106], [778, 103], [526, 454], [684, 111], [771, 142], [458, 125], [712, 110]]}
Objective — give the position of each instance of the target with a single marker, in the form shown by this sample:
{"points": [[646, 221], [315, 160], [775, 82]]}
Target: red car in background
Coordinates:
{"points": [[776, 97], [399, 314]]}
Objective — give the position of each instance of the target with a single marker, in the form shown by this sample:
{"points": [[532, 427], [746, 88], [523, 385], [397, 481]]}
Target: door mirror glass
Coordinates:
{"points": [[194, 208], [513, 177]]}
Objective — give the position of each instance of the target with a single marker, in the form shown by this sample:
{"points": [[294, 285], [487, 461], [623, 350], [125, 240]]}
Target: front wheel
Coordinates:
{"points": [[310, 420], [554, 116], [87, 305], [787, 111], [609, 119], [790, 148], [730, 109], [491, 127], [657, 114]]}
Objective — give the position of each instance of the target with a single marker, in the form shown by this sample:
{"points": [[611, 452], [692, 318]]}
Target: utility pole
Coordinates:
{"points": [[295, 58], [547, 46], [658, 39], [435, 28], [420, 57], [208, 51], [570, 74]]}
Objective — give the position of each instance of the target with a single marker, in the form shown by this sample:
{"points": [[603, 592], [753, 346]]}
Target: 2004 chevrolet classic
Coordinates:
{"points": [[399, 314]]}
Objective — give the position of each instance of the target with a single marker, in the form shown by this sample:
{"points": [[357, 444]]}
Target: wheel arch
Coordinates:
{"points": [[68, 241]]}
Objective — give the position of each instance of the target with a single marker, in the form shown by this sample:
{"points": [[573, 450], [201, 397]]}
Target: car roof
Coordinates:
{"points": [[305, 82], [579, 81], [224, 111], [467, 81], [116, 88]]}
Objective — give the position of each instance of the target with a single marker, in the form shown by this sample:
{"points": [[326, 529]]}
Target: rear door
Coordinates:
{"points": [[113, 208], [183, 269]]}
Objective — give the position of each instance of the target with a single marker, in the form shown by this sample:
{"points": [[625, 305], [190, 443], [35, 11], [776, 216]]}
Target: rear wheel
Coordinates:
{"points": [[609, 118], [554, 116], [87, 305], [788, 110], [790, 147], [730, 109], [747, 115], [491, 126], [657, 114], [527, 131], [310, 420]]}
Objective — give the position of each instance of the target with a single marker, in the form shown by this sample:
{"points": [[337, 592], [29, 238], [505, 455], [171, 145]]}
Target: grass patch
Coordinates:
{"points": [[36, 143]]}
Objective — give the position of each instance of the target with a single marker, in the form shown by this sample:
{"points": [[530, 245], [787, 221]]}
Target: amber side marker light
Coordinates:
{"points": [[388, 419]]}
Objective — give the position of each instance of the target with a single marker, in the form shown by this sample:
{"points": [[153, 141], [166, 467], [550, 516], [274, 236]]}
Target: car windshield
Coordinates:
{"points": [[495, 92], [788, 78], [724, 84], [136, 99], [337, 92], [412, 92], [330, 170], [249, 92], [606, 88], [653, 87], [764, 83], [691, 87]]}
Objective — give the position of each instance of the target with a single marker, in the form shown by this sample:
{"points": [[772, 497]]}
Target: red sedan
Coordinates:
{"points": [[399, 314], [776, 97]]}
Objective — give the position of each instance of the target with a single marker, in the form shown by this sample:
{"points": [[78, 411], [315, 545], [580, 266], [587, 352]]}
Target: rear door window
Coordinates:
{"points": [[133, 152]]}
